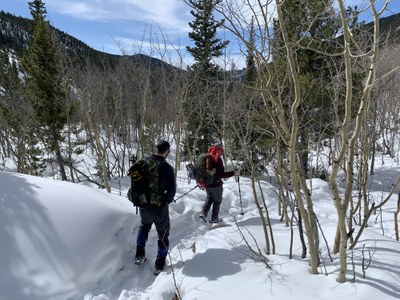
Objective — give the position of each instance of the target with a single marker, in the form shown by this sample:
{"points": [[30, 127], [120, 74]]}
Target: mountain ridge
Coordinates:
{"points": [[15, 32]]}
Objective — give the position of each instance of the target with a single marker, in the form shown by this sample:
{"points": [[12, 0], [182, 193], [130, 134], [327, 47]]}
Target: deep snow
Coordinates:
{"points": [[64, 240]]}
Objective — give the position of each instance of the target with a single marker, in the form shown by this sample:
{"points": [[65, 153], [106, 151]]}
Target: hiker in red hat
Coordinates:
{"points": [[214, 190]]}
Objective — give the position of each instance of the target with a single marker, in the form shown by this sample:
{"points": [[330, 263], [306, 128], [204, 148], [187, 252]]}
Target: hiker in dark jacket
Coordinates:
{"points": [[159, 215], [214, 190]]}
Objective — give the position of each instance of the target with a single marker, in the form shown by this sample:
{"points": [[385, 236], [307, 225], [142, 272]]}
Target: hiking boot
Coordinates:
{"points": [[215, 220], [140, 259], [157, 271], [159, 265], [203, 218]]}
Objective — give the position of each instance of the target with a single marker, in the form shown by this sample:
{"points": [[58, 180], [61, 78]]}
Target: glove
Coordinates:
{"points": [[201, 185], [129, 194], [236, 172]]}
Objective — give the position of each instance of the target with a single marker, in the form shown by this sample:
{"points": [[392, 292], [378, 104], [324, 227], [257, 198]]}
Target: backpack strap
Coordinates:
{"points": [[153, 193], [208, 164]]}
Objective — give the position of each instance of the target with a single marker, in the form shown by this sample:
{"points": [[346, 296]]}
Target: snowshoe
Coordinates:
{"points": [[140, 260], [203, 218], [215, 221], [157, 271], [159, 266]]}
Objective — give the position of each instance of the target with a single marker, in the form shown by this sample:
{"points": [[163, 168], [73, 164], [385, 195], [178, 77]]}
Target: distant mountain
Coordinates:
{"points": [[390, 26], [15, 33]]}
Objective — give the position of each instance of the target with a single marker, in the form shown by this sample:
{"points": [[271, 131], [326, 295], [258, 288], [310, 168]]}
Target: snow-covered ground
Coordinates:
{"points": [[63, 240]]}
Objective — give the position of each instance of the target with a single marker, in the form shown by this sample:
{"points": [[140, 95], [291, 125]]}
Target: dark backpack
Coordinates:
{"points": [[203, 169], [144, 183]]}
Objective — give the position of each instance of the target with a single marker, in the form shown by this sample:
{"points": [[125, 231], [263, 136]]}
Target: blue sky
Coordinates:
{"points": [[105, 24], [100, 23]]}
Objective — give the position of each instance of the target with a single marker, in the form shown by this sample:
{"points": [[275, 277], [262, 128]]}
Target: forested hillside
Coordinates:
{"points": [[130, 78], [391, 27], [16, 32]]}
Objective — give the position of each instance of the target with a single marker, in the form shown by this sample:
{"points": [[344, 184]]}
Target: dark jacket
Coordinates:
{"points": [[166, 179], [219, 174]]}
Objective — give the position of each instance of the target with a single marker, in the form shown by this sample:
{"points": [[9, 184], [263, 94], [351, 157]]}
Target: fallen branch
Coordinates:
{"points": [[86, 176]]}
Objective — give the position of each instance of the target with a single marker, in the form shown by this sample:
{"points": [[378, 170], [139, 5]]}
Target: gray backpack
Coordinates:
{"points": [[203, 169]]}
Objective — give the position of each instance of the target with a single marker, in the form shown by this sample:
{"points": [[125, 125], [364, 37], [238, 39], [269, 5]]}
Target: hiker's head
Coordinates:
{"points": [[216, 150], [163, 147]]}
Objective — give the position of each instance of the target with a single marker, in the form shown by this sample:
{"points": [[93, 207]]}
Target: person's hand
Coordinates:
{"points": [[201, 185], [129, 194], [236, 172]]}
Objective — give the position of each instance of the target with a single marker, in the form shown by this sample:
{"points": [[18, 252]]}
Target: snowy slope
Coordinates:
{"points": [[58, 239], [67, 241]]}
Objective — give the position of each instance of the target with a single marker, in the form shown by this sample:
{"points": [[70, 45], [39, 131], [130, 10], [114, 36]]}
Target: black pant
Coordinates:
{"points": [[214, 198], [160, 217]]}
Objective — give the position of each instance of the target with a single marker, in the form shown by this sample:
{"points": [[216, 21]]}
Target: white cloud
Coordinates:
{"points": [[169, 14]]}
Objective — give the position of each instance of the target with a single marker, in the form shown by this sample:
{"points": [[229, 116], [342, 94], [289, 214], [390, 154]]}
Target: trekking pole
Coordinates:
{"points": [[186, 193], [240, 197]]}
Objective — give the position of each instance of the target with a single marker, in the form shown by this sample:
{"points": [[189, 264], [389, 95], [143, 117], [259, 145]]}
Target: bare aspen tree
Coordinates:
{"points": [[386, 102], [17, 118], [283, 197], [288, 130], [175, 91], [242, 122], [159, 91], [349, 134], [373, 209], [267, 219], [121, 145], [141, 85], [384, 108], [158, 84], [143, 92], [297, 177], [180, 87], [101, 95], [285, 130]]}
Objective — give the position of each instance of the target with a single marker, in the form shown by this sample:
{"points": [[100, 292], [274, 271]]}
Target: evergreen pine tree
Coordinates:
{"points": [[45, 82], [10, 88], [311, 24], [16, 116], [251, 69], [204, 35], [204, 73]]}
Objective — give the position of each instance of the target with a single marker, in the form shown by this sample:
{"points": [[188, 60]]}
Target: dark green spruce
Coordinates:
{"points": [[202, 107], [43, 65]]}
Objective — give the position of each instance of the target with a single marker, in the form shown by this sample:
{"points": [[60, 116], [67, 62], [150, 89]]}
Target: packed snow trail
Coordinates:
{"points": [[63, 240], [187, 229]]}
